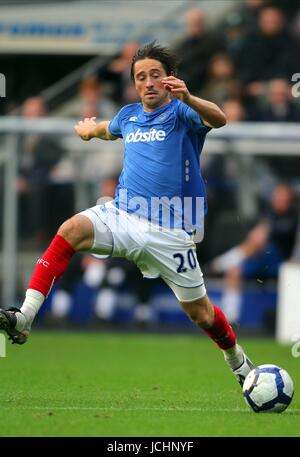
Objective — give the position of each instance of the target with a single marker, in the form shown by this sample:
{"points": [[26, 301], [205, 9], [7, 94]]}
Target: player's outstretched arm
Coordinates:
{"points": [[210, 113], [89, 129]]}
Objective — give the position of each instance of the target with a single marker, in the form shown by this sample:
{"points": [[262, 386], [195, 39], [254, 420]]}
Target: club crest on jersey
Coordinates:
{"points": [[145, 137], [163, 116]]}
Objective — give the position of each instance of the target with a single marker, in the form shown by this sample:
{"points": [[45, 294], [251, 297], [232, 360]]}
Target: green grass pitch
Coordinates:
{"points": [[92, 384]]}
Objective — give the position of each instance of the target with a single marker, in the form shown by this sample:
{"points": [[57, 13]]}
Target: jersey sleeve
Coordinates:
{"points": [[192, 119], [115, 125]]}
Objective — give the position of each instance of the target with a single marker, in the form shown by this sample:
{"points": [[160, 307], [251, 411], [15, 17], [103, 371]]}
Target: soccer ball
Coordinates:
{"points": [[268, 388]]}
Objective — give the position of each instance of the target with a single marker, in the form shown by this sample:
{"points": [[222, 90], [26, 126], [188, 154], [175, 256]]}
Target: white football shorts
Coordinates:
{"points": [[157, 251]]}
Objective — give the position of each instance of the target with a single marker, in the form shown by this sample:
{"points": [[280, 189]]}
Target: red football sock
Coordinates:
{"points": [[221, 331], [51, 265]]}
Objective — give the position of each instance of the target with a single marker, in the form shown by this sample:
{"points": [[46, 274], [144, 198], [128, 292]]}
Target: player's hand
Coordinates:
{"points": [[85, 129], [176, 87]]}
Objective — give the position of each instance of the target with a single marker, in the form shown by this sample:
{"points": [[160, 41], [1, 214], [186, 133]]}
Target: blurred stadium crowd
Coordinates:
{"points": [[244, 64]]}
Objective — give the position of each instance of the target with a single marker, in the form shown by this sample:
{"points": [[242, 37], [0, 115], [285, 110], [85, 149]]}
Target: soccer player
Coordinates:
{"points": [[151, 220]]}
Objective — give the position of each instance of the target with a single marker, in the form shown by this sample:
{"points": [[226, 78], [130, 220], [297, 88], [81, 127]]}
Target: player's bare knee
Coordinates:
{"points": [[200, 312], [68, 229], [202, 318], [78, 231]]}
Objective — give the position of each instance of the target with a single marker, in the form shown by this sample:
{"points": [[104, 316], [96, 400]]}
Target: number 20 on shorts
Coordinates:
{"points": [[189, 260]]}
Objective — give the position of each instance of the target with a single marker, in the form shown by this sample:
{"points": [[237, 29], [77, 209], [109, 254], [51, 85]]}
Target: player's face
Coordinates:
{"points": [[148, 74]]}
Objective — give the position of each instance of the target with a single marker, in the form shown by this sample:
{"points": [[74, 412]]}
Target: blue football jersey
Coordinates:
{"points": [[161, 178]]}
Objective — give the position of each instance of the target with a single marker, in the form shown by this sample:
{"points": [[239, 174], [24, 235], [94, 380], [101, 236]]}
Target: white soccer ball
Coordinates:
{"points": [[268, 388]]}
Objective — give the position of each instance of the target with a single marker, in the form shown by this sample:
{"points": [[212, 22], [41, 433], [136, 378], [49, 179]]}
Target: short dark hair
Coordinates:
{"points": [[155, 51]]}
